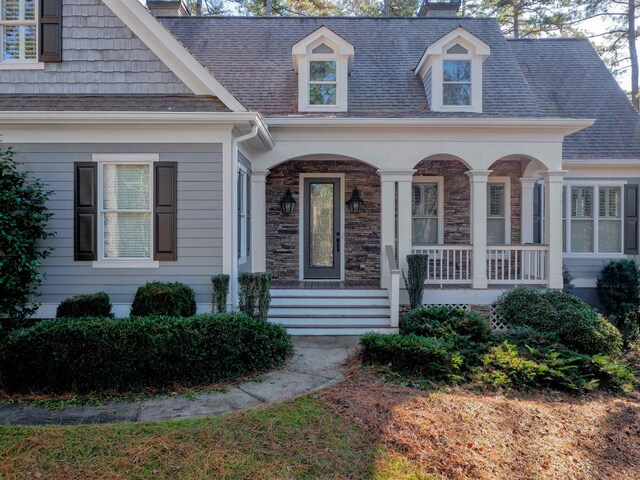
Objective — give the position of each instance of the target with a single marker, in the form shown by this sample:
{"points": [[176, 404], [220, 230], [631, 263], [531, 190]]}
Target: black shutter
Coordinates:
{"points": [[85, 216], [165, 211], [631, 219], [537, 213], [50, 31]]}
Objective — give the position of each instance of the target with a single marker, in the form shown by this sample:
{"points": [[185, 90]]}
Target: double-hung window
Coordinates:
{"points": [[125, 211], [244, 198], [595, 218], [18, 31], [426, 212], [456, 83], [497, 213], [323, 82]]}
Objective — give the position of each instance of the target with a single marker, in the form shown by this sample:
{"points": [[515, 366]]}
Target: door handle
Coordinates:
{"points": [[338, 241]]}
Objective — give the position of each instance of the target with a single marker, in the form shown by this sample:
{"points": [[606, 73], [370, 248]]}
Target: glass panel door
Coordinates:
{"points": [[322, 228]]}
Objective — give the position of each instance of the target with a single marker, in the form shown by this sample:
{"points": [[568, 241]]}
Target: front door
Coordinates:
{"points": [[322, 228]]}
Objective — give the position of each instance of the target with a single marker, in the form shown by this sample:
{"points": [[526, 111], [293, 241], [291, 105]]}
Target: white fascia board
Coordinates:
{"points": [[566, 125], [482, 50], [171, 52]]}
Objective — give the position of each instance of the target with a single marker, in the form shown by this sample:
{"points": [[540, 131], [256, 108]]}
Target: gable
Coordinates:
{"points": [[100, 55]]}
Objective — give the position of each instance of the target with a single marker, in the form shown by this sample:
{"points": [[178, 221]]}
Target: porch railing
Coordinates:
{"points": [[522, 264], [393, 285], [506, 264], [447, 263]]}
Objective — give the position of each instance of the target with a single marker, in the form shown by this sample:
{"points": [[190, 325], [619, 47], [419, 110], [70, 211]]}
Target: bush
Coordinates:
{"points": [[441, 322], [567, 279], [417, 264], [171, 299], [23, 219], [576, 324], [431, 358], [97, 354], [93, 305], [255, 293], [220, 292], [619, 287]]}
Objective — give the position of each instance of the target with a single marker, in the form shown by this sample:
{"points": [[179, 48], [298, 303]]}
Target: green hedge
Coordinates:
{"points": [[431, 358], [576, 324], [92, 305], [97, 354], [443, 321], [171, 299]]}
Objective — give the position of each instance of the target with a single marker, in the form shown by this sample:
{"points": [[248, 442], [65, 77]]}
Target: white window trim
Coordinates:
{"points": [[596, 218], [440, 183], [242, 232], [507, 206], [123, 158], [22, 64]]}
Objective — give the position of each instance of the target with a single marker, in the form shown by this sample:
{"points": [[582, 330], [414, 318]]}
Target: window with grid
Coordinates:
{"points": [[496, 218], [425, 213], [126, 211], [18, 31], [609, 220], [582, 219], [456, 85], [244, 193], [323, 82]]}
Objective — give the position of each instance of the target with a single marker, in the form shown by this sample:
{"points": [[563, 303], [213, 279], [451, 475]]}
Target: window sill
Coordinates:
{"points": [[21, 65], [125, 264]]}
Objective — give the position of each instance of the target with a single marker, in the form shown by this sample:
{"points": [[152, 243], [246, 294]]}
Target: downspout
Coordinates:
{"points": [[233, 283]]}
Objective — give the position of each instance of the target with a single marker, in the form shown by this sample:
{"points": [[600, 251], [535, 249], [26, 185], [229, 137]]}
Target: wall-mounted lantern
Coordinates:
{"points": [[355, 203], [288, 203]]}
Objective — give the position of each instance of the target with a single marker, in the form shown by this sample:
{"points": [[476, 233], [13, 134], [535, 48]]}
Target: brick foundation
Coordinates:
{"points": [[362, 231]]}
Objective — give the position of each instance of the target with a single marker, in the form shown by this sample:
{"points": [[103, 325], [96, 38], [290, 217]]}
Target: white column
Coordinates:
{"points": [[478, 180], [387, 222], [259, 220], [404, 219], [553, 225], [526, 204]]}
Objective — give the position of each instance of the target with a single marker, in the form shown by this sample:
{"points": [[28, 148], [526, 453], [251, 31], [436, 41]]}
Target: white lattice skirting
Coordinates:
{"points": [[460, 306], [497, 323]]}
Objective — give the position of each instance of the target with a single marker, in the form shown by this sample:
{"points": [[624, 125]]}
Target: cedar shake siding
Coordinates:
{"points": [[100, 55], [199, 221], [362, 231]]}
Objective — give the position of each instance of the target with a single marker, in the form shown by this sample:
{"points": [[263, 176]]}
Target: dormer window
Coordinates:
{"points": [[323, 61], [323, 82], [451, 70], [456, 83]]}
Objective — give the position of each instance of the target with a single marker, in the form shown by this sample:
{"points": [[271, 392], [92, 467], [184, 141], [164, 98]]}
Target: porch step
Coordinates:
{"points": [[327, 311]]}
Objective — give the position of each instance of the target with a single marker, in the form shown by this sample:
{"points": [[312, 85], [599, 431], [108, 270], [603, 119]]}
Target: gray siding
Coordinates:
{"points": [[587, 267], [100, 56], [427, 86], [199, 221]]}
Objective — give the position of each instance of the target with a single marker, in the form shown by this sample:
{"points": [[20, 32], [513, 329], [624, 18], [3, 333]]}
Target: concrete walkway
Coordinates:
{"points": [[316, 362]]}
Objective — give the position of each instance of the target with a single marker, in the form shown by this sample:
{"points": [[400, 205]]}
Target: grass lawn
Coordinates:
{"points": [[298, 439]]}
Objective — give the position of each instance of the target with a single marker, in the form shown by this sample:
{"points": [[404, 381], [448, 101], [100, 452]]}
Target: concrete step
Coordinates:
{"points": [[283, 292], [331, 321], [342, 330], [329, 311], [338, 302]]}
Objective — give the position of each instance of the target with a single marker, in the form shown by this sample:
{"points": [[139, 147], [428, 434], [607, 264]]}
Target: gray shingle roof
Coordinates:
{"points": [[139, 103], [569, 79], [251, 57]]}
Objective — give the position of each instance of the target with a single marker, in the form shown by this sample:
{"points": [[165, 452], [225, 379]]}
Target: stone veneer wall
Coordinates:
{"points": [[457, 192], [362, 231]]}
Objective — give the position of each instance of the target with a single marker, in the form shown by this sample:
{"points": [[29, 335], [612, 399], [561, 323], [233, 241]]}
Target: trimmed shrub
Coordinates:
{"points": [[92, 305], [576, 324], [97, 354], [619, 287], [567, 279], [443, 321], [220, 292], [431, 358], [157, 298], [255, 293], [417, 263]]}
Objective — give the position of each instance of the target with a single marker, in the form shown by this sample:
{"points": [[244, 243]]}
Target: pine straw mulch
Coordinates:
{"points": [[459, 434]]}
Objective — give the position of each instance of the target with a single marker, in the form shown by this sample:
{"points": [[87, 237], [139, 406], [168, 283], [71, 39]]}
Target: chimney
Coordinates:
{"points": [[439, 8], [168, 8]]}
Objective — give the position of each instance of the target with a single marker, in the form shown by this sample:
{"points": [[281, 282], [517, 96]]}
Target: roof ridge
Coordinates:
{"points": [[545, 39], [331, 17]]}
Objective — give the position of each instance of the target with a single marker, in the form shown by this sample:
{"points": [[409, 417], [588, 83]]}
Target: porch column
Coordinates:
{"points": [[259, 220], [387, 222], [553, 225], [404, 219], [526, 227], [478, 180]]}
